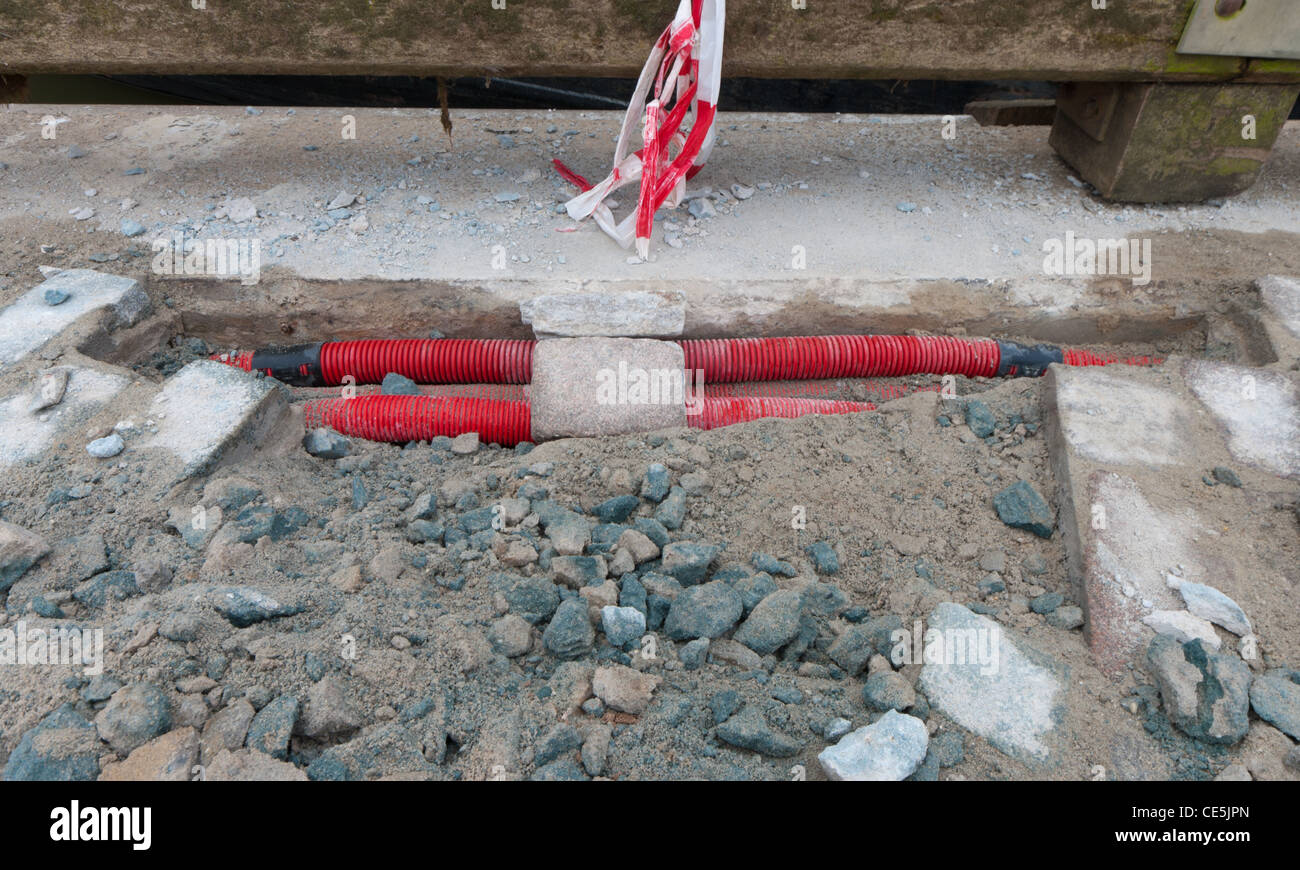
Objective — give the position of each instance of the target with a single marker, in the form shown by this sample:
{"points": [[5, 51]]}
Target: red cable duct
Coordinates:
{"points": [[421, 418], [719, 411], [820, 357], [429, 361], [726, 360]]}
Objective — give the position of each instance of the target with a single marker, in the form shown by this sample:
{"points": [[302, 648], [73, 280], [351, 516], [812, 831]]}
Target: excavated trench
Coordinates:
{"points": [[194, 317]]}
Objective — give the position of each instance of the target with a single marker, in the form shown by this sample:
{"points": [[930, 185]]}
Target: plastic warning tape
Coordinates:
{"points": [[684, 71]]}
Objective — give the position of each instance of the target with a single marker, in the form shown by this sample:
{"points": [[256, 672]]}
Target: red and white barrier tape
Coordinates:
{"points": [[685, 70]]}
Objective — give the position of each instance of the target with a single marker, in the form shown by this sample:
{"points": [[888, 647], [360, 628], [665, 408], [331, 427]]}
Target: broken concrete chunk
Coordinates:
{"points": [[49, 389], [208, 412], [1209, 603], [1182, 626], [1206, 694], [889, 750], [990, 686]]}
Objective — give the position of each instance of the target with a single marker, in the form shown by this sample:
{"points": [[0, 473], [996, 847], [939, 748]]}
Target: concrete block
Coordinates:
{"points": [[606, 386], [637, 313], [1130, 450], [1259, 409], [1118, 420], [24, 434], [210, 412], [30, 322]]}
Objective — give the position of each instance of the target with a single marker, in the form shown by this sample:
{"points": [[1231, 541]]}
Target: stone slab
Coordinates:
{"points": [[1259, 409], [29, 322], [24, 435], [209, 412], [1131, 450], [585, 387], [1012, 700], [630, 314]]}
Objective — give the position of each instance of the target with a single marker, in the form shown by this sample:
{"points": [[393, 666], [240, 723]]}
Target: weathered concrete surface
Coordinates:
{"points": [[786, 261], [1011, 700], [1132, 452], [606, 386], [30, 322], [1096, 412], [1280, 318], [909, 39], [1154, 142], [24, 434], [209, 413], [1260, 410], [633, 314]]}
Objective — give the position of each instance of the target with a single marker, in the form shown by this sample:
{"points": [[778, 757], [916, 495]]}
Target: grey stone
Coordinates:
{"points": [[771, 565], [750, 730], [888, 750], [328, 712], [773, 623], [622, 624], [394, 384], [980, 419], [887, 690], [1276, 700], [672, 510], [1066, 618], [577, 572], [62, 747], [570, 633], [825, 560], [1046, 603], [134, 715], [20, 549], [511, 636], [326, 444], [107, 447], [823, 599], [688, 561], [245, 606], [616, 509], [109, 586], [1209, 603], [563, 738], [707, 610], [1205, 694], [1021, 507], [271, 728], [753, 588], [656, 483], [533, 598], [694, 653]]}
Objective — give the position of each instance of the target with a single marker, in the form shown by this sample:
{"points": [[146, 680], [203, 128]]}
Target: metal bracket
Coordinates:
{"points": [[1244, 28]]}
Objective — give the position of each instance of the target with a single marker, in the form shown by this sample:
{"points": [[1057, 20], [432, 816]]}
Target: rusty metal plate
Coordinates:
{"points": [[1244, 28]]}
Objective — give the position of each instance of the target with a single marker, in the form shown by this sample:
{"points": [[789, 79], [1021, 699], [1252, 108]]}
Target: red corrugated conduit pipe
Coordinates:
{"points": [[817, 357], [451, 361]]}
